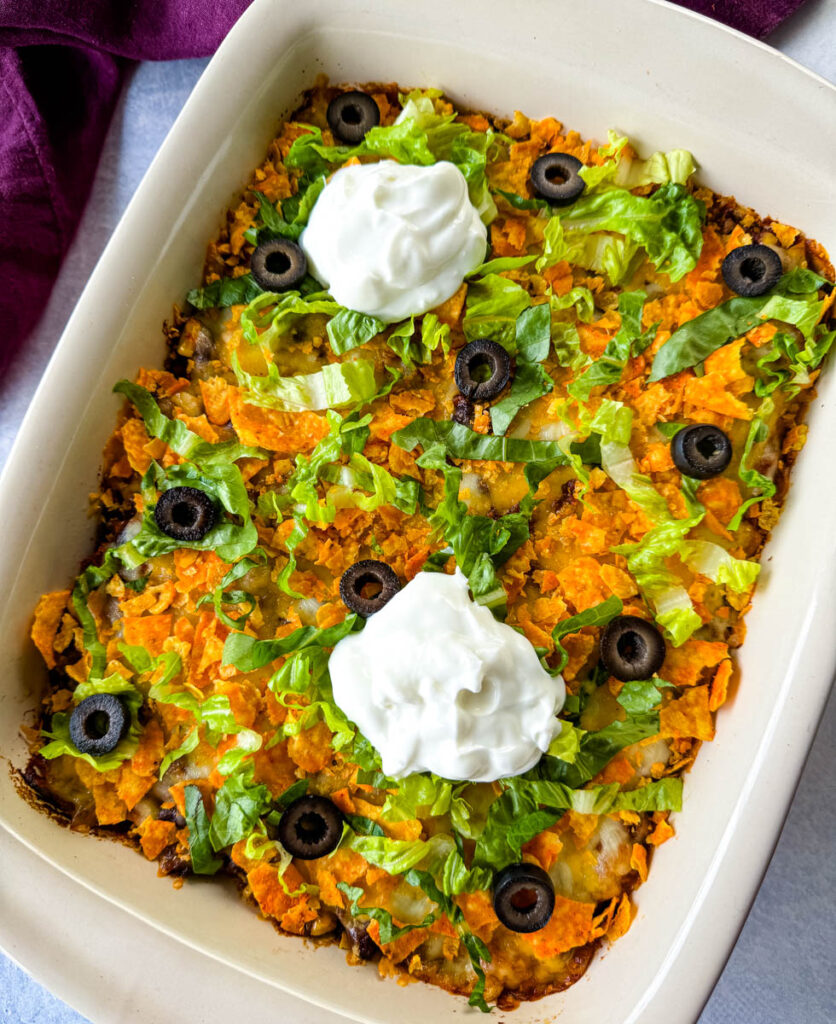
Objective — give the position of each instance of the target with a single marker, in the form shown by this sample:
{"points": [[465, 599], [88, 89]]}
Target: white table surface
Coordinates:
{"points": [[782, 968]]}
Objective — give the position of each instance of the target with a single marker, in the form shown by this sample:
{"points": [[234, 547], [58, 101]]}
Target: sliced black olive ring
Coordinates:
{"points": [[523, 897], [632, 648], [310, 827], [98, 723], [752, 269], [185, 513], [351, 114], [366, 586], [278, 265], [482, 370], [701, 450], [554, 177]]}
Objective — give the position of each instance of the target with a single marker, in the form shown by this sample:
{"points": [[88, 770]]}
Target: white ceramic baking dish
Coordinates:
{"points": [[762, 128]]}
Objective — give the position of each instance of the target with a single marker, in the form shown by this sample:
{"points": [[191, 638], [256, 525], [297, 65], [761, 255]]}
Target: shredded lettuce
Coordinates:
{"points": [[59, 732], [641, 696], [197, 820], [793, 300], [221, 595], [239, 804], [762, 486], [718, 565], [598, 615], [335, 386], [445, 437], [349, 329], [247, 653], [532, 340], [666, 224], [225, 292], [628, 341], [419, 136], [269, 316], [492, 306], [388, 931]]}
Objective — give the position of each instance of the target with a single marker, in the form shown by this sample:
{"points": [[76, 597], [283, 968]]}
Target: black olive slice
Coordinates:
{"points": [[310, 827], [98, 723], [185, 513], [523, 897], [366, 586], [632, 648], [752, 269], [701, 451], [278, 265], [351, 114], [482, 370], [554, 177]]}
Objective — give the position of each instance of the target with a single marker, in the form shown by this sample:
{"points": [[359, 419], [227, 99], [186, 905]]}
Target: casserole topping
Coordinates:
{"points": [[437, 684], [392, 240], [422, 662]]}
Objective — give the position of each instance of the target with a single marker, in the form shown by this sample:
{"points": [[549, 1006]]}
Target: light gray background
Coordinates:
{"points": [[783, 966]]}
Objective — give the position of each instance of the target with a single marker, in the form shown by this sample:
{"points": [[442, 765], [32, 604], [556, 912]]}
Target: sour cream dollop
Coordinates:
{"points": [[437, 684], [394, 240]]}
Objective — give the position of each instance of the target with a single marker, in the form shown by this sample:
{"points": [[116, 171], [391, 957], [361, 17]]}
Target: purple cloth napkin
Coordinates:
{"points": [[61, 69]]}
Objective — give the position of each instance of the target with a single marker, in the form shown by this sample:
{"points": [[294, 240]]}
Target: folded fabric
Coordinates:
{"points": [[62, 63]]}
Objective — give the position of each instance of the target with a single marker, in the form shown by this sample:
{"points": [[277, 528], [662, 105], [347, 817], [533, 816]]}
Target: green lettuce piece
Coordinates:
{"points": [[628, 341], [420, 795], [197, 820], [492, 306], [677, 166], [288, 220], [247, 742], [579, 299], [59, 732], [349, 329], [567, 347], [186, 747], [335, 386], [388, 930], [362, 475], [718, 565], [418, 137], [397, 856], [532, 337], [755, 481], [177, 435], [793, 300], [225, 292], [210, 468], [567, 744], [598, 615], [221, 595], [224, 484], [641, 696], [247, 653], [613, 255], [239, 804], [445, 437], [269, 316], [666, 224], [646, 561]]}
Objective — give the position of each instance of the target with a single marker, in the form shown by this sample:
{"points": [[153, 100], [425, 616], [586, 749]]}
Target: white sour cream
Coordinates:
{"points": [[437, 684], [394, 240]]}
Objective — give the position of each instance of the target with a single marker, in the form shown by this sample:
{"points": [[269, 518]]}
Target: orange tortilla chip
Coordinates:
{"points": [[48, 614], [569, 926], [689, 716], [215, 394], [684, 665], [720, 685], [638, 860], [285, 432], [622, 919], [147, 631], [662, 833]]}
